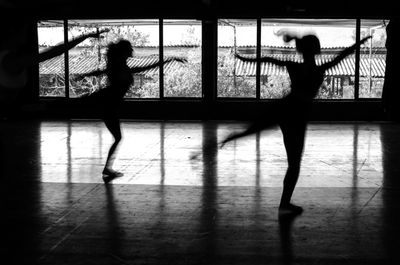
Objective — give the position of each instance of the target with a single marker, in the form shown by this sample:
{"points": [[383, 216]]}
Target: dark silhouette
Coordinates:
{"points": [[291, 112], [108, 99], [15, 60], [390, 92]]}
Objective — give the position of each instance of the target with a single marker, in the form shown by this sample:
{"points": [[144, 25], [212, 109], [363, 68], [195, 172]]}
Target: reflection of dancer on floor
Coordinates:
{"points": [[108, 99], [292, 111]]}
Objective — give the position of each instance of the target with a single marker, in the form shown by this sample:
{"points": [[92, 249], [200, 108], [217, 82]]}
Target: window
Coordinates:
{"points": [[334, 35], [236, 79], [356, 77], [373, 59], [84, 58], [90, 55], [52, 71], [182, 39]]}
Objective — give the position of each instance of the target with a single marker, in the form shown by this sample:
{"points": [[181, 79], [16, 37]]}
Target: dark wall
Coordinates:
{"points": [[202, 8], [219, 110], [391, 91]]}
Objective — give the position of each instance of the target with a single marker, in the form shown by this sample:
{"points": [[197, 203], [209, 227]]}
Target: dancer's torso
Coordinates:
{"points": [[120, 81], [305, 80], [108, 99]]}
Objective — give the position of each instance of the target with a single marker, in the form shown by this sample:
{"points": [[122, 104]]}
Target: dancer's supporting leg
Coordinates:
{"points": [[113, 125], [293, 136]]}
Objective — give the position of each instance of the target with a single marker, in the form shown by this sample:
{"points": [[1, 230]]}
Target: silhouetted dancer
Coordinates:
{"points": [[108, 99], [291, 113], [15, 59]]}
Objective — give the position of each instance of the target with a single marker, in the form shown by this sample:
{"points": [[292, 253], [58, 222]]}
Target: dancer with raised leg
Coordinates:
{"points": [[293, 110]]}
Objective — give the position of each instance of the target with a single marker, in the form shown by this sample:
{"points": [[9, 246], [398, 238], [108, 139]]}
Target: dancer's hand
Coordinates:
{"points": [[365, 39], [229, 138], [97, 33]]}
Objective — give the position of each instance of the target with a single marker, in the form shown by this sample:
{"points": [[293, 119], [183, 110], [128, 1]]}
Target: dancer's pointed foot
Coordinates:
{"points": [[109, 175], [290, 209]]}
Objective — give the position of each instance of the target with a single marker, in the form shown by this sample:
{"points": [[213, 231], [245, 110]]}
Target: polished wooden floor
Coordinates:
{"points": [[220, 208]]}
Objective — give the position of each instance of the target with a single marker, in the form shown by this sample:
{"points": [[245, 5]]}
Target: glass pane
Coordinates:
{"points": [[373, 59], [236, 78], [83, 58], [182, 39], [52, 71], [334, 35], [90, 55]]}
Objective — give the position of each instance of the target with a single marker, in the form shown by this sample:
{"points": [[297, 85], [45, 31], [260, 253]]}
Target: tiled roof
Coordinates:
{"points": [[345, 68], [85, 64], [79, 64]]}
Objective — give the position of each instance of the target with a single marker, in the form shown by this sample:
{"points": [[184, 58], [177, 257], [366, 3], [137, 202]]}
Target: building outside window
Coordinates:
{"points": [[182, 39], [235, 78]]}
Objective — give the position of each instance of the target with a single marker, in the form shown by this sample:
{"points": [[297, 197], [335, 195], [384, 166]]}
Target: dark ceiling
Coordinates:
{"points": [[198, 8]]}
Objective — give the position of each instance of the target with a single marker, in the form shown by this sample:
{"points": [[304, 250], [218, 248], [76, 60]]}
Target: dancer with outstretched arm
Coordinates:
{"points": [[292, 111], [15, 60], [107, 100]]}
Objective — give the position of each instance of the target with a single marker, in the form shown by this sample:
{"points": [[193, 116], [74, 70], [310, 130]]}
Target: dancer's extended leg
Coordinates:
{"points": [[255, 127]]}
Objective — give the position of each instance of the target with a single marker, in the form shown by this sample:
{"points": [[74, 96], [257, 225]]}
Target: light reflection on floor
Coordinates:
{"points": [[219, 209], [342, 155]]}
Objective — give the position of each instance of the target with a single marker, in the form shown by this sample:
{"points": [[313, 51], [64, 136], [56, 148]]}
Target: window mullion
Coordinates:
{"points": [[66, 60], [357, 62], [258, 56], [161, 59]]}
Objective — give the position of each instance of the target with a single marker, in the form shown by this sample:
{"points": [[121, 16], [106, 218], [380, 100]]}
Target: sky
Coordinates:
{"points": [[245, 35]]}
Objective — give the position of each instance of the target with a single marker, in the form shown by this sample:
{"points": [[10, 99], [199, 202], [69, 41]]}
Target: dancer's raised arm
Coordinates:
{"points": [[63, 47], [262, 60], [93, 73], [151, 66], [343, 54]]}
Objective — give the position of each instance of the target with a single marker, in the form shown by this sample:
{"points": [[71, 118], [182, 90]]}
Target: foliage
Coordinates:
{"points": [[149, 89], [276, 86], [371, 88], [185, 81], [229, 83], [190, 38], [52, 85]]}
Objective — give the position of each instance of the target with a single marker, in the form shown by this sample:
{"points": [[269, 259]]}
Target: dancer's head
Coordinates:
{"points": [[119, 51], [307, 45]]}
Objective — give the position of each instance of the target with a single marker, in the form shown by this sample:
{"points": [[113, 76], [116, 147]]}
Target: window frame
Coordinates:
{"points": [[206, 94]]}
